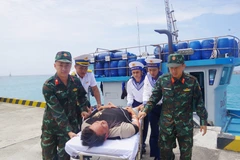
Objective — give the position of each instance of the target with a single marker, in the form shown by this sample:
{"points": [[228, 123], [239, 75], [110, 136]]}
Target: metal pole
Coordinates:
{"points": [[170, 42]]}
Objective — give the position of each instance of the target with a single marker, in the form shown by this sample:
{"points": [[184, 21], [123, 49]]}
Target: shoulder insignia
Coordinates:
{"points": [[187, 90], [73, 73], [89, 71], [187, 74]]}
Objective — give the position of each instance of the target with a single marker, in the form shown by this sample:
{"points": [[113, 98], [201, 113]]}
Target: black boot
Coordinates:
{"points": [[144, 150]]}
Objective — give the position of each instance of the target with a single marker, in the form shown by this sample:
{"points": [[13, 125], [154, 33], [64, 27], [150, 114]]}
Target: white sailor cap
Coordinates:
{"points": [[135, 65], [153, 62], [83, 60]]}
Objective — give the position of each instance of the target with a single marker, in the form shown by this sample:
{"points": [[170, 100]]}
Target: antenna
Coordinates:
{"points": [[171, 21], [138, 32], [168, 16], [175, 30]]}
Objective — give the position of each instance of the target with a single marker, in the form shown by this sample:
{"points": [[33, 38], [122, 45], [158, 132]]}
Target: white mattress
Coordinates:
{"points": [[124, 148]]}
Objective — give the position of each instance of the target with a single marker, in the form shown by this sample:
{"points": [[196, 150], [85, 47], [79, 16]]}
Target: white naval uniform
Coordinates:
{"points": [[88, 80], [149, 83], [134, 91]]}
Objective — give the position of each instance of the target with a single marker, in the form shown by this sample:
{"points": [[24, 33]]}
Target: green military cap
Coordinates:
{"points": [[175, 60], [64, 56]]}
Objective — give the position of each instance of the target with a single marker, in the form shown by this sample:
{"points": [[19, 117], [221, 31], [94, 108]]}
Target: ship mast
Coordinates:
{"points": [[171, 21]]}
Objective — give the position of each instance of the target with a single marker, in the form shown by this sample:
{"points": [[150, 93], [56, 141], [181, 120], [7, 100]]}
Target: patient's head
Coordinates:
{"points": [[95, 134]]}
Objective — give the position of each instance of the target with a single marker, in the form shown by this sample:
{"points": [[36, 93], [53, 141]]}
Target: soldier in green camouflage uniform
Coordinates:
{"points": [[66, 103], [181, 93]]}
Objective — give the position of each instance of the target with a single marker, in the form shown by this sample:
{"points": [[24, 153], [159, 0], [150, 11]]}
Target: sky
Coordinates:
{"points": [[33, 31]]}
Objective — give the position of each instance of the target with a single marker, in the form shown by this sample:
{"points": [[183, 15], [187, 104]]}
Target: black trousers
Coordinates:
{"points": [[154, 117]]}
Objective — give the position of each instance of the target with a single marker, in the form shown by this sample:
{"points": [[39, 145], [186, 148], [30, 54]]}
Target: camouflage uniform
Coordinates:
{"points": [[180, 98], [62, 115]]}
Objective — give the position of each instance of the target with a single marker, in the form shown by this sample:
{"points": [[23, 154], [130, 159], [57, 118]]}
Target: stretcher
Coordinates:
{"points": [[124, 149]]}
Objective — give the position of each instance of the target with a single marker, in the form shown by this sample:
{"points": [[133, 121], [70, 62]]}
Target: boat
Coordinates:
{"points": [[211, 60]]}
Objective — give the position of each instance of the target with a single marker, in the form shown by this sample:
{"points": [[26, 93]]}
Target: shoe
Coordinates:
{"points": [[156, 158], [75, 157], [87, 157], [144, 150]]}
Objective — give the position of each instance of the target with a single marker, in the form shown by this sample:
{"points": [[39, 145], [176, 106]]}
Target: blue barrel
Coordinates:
{"points": [[99, 72], [113, 72], [157, 52], [101, 56], [207, 46], [118, 55], [166, 50], [183, 45], [195, 45], [142, 60], [223, 46], [122, 68], [233, 48], [106, 69], [132, 57]]}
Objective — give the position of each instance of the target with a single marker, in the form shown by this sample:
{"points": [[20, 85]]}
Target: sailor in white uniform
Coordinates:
{"points": [[135, 84], [86, 76], [135, 93], [149, 82]]}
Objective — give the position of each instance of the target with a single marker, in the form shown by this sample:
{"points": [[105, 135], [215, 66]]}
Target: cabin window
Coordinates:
{"points": [[200, 78], [212, 74], [226, 74]]}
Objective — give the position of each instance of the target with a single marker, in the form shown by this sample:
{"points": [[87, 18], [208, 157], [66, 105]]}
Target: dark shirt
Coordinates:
{"points": [[118, 119]]}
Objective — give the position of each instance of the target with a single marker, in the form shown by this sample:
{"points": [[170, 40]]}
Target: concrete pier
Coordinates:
{"points": [[20, 132], [21, 129]]}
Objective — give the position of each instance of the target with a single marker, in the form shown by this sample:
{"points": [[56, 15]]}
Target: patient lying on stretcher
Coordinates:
{"points": [[109, 122]]}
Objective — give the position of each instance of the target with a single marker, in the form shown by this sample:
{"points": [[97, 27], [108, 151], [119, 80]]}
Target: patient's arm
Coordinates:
{"points": [[85, 114], [134, 116], [135, 120]]}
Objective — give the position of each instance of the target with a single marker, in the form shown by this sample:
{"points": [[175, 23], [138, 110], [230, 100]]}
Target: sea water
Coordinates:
{"points": [[30, 88], [26, 87], [23, 87]]}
